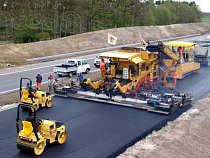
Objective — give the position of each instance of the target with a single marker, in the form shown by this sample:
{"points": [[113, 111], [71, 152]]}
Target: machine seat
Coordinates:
{"points": [[27, 127], [25, 94]]}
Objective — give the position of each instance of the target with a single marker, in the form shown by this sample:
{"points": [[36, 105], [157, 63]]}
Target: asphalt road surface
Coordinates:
{"points": [[10, 77], [95, 129]]}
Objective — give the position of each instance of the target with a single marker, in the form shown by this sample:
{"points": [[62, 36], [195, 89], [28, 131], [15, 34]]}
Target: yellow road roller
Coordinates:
{"points": [[36, 133], [29, 96]]}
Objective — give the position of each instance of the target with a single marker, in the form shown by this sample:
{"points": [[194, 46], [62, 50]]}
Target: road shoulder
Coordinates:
{"points": [[187, 136]]}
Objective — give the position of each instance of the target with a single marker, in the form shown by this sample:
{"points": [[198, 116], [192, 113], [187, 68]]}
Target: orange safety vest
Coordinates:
{"points": [[34, 94], [175, 75], [102, 66]]}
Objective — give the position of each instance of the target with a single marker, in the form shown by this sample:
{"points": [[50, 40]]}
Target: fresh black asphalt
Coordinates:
{"points": [[97, 129]]}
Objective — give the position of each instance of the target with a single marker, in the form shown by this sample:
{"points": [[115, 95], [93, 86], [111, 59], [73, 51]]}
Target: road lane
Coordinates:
{"points": [[9, 80], [94, 129]]}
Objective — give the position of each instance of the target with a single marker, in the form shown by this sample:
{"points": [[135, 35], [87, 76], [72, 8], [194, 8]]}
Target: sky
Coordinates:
{"points": [[203, 4]]}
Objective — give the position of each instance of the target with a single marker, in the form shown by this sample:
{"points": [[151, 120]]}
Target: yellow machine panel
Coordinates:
{"points": [[34, 97], [132, 69], [36, 133]]}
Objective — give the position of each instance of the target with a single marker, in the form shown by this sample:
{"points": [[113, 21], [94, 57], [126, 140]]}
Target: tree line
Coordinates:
{"points": [[34, 20]]}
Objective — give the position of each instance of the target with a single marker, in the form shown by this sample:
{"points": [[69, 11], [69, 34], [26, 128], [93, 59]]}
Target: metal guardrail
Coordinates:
{"points": [[104, 49]]}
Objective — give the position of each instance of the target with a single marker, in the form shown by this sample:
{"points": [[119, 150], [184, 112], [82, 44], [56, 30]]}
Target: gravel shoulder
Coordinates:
{"points": [[187, 136]]}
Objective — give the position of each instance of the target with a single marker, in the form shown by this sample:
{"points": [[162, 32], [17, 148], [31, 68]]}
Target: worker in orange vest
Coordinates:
{"points": [[102, 66], [175, 75]]}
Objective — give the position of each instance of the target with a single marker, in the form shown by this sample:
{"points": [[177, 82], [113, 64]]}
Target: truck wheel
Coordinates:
{"points": [[61, 137], [208, 63], [87, 70], [70, 74]]}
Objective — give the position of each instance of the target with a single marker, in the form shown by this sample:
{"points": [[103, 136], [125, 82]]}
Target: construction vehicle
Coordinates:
{"points": [[134, 74], [183, 61], [33, 97], [202, 52], [169, 101], [36, 133]]}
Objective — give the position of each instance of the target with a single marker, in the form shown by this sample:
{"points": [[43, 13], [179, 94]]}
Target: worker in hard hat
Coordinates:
{"points": [[102, 67], [38, 81], [175, 75]]}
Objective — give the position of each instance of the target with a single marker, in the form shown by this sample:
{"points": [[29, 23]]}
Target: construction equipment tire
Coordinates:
{"points": [[36, 106], [112, 87], [61, 137], [39, 148], [87, 70], [25, 148], [25, 107], [48, 103]]}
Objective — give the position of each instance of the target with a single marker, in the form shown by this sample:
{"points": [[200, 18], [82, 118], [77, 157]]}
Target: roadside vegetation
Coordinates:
{"points": [[31, 21], [205, 20], [206, 17], [4, 64]]}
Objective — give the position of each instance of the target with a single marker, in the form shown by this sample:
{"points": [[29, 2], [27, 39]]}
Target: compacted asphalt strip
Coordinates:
{"points": [[93, 129], [97, 129]]}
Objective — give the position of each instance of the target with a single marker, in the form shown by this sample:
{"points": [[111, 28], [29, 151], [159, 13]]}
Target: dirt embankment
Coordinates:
{"points": [[97, 39], [187, 137]]}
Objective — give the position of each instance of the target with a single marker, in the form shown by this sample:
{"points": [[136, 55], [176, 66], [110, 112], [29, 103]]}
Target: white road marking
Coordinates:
{"points": [[16, 89], [12, 90], [7, 107], [36, 68], [27, 70]]}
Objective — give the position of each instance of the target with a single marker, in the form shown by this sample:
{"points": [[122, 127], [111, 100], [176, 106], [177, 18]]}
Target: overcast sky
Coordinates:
{"points": [[203, 4]]}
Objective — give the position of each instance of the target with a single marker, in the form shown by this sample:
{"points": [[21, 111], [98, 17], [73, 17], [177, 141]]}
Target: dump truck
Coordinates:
{"points": [[134, 74], [202, 52], [202, 55]]}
